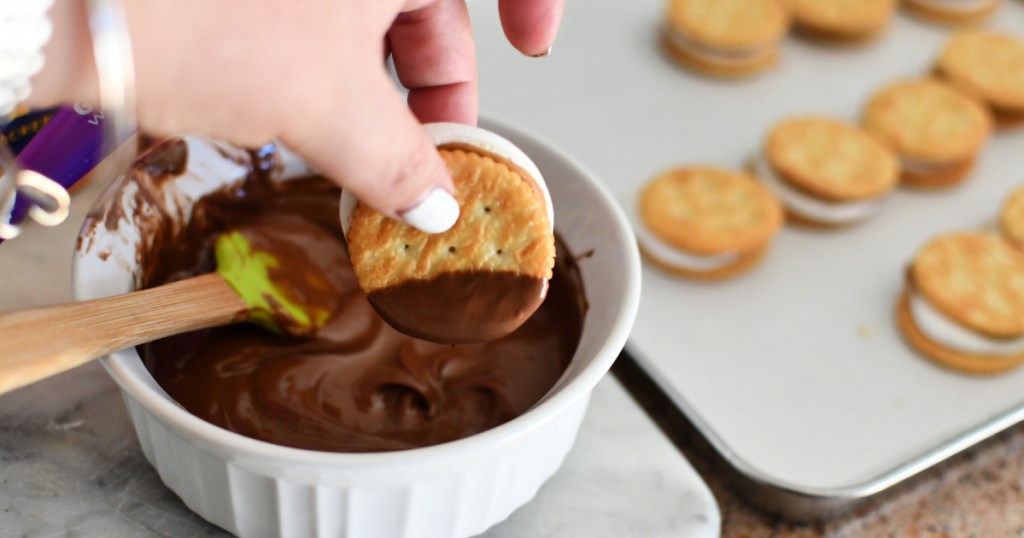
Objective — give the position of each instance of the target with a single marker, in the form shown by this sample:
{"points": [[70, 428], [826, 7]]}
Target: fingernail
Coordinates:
{"points": [[544, 54], [436, 213]]}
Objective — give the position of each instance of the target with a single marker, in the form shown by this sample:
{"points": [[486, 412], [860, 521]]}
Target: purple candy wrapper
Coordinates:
{"points": [[65, 150]]}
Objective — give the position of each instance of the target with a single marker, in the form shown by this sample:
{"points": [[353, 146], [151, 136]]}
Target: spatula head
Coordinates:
{"points": [[282, 267]]}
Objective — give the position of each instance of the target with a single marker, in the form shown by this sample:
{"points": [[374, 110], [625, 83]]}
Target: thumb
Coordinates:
{"points": [[369, 142]]}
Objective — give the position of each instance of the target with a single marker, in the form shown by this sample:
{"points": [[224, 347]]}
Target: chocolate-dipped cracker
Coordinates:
{"points": [[481, 279]]}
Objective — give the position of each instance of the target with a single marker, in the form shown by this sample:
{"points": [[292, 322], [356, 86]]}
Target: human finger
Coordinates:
{"points": [[374, 147], [434, 56], [531, 25]]}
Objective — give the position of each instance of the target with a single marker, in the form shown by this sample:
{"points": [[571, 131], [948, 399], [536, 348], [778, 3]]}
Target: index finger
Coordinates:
{"points": [[531, 25]]}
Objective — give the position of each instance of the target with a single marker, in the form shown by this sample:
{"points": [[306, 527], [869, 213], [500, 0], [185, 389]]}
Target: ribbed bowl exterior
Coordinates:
{"points": [[262, 499]]}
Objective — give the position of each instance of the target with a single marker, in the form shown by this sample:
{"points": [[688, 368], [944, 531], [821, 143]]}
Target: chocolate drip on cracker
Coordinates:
{"points": [[497, 302]]}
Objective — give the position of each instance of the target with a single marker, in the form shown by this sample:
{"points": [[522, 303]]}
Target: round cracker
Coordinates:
{"points": [[845, 19], [934, 13], [1008, 119], [948, 177], [962, 362], [928, 120], [503, 227], [810, 223], [988, 65], [705, 66], [975, 279], [838, 40], [708, 211], [743, 264], [831, 159], [1011, 217], [729, 24]]}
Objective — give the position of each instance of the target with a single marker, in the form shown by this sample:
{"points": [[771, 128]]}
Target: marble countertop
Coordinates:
{"points": [[977, 494], [70, 464]]}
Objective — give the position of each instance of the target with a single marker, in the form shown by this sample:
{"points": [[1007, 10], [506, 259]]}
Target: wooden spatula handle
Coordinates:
{"points": [[35, 344]]}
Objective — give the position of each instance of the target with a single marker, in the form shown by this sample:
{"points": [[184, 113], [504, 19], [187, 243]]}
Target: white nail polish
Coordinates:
{"points": [[434, 214], [544, 54]]}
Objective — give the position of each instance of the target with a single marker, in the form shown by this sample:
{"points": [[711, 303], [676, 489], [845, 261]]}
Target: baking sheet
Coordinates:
{"points": [[795, 372]]}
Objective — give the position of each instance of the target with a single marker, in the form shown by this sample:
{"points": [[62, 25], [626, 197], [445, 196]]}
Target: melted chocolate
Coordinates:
{"points": [[496, 302], [169, 161], [164, 161], [359, 385]]}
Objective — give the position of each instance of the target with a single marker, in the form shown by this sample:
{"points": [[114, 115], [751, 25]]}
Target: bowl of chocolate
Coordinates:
{"points": [[359, 430]]}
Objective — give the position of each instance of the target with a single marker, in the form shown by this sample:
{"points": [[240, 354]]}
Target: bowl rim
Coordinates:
{"points": [[124, 366]]}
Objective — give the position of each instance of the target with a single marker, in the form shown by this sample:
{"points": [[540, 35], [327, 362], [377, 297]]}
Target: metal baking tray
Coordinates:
{"points": [[795, 374]]}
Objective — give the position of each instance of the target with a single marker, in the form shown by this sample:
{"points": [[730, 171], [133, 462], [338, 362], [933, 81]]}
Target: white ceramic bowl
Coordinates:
{"points": [[460, 488]]}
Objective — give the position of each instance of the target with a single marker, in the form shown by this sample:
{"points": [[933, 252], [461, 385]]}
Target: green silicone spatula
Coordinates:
{"points": [[35, 344]]}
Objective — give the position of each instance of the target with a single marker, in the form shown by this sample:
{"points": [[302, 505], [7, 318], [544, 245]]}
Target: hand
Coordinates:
{"points": [[310, 74]]}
